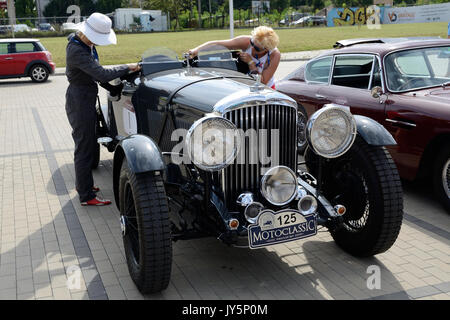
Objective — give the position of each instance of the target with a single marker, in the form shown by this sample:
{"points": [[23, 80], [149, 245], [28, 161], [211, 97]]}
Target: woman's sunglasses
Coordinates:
{"points": [[256, 47]]}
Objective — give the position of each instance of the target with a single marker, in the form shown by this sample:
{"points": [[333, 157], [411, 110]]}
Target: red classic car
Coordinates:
{"points": [[404, 84]]}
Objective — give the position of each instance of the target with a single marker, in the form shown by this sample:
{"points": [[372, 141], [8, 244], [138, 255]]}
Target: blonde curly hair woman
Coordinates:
{"points": [[258, 50]]}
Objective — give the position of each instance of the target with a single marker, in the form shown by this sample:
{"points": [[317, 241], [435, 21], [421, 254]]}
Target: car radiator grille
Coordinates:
{"points": [[246, 176]]}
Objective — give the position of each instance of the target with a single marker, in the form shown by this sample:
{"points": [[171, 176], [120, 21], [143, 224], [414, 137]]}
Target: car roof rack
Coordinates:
{"points": [[352, 42]]}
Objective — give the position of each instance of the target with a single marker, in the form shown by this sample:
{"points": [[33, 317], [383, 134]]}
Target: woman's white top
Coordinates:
{"points": [[261, 62]]}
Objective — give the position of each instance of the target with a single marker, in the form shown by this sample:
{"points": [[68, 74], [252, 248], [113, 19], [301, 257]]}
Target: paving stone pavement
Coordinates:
{"points": [[47, 238]]}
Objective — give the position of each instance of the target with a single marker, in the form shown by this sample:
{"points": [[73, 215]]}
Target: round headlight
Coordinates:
{"points": [[279, 185], [213, 143], [331, 131]]}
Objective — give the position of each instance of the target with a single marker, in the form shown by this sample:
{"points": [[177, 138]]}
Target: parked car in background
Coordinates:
{"points": [[68, 26], [25, 58], [21, 28], [292, 17], [4, 29], [310, 21], [404, 84], [45, 27]]}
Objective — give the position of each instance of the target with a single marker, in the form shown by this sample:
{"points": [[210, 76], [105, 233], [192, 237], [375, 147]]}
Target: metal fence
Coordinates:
{"points": [[58, 26]]}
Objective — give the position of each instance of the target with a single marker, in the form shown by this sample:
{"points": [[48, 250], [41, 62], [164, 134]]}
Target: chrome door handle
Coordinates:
{"points": [[321, 97], [409, 124], [9, 58]]}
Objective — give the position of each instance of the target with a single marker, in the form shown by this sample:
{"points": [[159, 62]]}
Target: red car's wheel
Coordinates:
{"points": [[39, 73], [301, 130], [441, 176]]}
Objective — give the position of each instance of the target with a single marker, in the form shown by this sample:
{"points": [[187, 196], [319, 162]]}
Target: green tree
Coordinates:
{"points": [[107, 6], [58, 8], [352, 3], [173, 7], [131, 3], [25, 8]]}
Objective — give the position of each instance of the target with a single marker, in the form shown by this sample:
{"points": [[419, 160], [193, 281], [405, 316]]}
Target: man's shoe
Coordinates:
{"points": [[96, 202], [95, 189]]}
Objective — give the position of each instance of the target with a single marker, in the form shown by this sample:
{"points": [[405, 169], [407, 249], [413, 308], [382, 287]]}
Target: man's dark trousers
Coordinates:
{"points": [[82, 115]]}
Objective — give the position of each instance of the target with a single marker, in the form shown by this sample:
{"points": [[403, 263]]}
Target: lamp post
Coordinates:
{"points": [[231, 19], [11, 15], [199, 6]]}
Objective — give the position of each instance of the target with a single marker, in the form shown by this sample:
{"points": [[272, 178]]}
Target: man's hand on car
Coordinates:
{"points": [[134, 67]]}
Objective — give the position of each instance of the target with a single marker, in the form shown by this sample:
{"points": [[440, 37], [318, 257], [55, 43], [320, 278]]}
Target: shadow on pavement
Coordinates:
{"points": [[21, 83], [56, 256], [318, 270]]}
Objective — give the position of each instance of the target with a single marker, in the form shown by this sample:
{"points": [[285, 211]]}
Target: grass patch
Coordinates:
{"points": [[131, 46]]}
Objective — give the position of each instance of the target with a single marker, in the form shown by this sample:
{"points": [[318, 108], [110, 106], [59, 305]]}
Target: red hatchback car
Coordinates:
{"points": [[403, 84], [25, 58]]}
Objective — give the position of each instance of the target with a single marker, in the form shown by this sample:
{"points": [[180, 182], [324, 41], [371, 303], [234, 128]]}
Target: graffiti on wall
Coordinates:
{"points": [[350, 16], [353, 16]]}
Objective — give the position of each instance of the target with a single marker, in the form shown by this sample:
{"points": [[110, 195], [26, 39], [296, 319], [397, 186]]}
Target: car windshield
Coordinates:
{"points": [[418, 68]]}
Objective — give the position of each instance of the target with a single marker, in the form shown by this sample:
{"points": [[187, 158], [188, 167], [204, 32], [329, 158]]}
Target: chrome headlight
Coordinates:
{"points": [[279, 185], [213, 143], [331, 131]]}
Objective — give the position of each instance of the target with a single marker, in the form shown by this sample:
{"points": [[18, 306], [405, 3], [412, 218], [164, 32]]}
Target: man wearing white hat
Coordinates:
{"points": [[83, 71]]}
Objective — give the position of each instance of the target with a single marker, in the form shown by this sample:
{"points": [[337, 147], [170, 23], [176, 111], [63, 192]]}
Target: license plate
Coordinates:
{"points": [[279, 227]]}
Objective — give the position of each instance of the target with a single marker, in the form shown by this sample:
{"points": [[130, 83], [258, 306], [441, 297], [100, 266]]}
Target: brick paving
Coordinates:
{"points": [[44, 232]]}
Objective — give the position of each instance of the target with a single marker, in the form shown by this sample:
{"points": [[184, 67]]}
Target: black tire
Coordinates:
{"points": [[96, 160], [39, 73], [441, 177], [366, 181], [147, 240], [301, 130]]}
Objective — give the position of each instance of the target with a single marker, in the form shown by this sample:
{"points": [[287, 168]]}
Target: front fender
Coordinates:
{"points": [[372, 132], [142, 155]]}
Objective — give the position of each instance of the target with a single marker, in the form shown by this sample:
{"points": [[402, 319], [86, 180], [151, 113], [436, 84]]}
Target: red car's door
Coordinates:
{"points": [[410, 117], [25, 52], [352, 79], [6, 65]]}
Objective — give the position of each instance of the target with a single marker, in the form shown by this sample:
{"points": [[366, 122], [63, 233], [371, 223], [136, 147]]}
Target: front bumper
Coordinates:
{"points": [[52, 67], [324, 213]]}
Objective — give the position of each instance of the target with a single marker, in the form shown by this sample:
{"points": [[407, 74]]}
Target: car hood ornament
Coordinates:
{"points": [[258, 86]]}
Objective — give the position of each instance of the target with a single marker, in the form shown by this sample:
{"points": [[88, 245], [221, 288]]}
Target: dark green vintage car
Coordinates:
{"points": [[203, 149]]}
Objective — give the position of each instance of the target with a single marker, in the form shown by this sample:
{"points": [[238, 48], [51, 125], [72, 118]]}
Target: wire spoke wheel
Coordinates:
{"points": [[365, 180], [145, 228], [446, 178], [131, 234], [355, 198]]}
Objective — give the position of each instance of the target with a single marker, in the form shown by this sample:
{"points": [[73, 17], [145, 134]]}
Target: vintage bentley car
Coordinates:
{"points": [[202, 149], [402, 83]]}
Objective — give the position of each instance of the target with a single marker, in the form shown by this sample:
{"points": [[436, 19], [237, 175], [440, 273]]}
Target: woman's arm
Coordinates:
{"points": [[238, 43]]}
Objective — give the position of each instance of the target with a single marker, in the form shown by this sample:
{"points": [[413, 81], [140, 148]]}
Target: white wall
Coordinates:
{"points": [[428, 13], [124, 17]]}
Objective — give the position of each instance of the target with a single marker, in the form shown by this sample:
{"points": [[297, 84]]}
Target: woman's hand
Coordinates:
{"points": [[245, 57], [193, 52]]}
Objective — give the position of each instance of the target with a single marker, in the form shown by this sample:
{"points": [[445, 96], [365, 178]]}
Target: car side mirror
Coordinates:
{"points": [[376, 92]]}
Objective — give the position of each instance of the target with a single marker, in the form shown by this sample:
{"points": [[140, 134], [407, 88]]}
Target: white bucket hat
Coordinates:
{"points": [[97, 28]]}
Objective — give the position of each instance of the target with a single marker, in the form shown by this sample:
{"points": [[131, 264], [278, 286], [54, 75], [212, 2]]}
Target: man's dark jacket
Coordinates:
{"points": [[83, 71]]}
